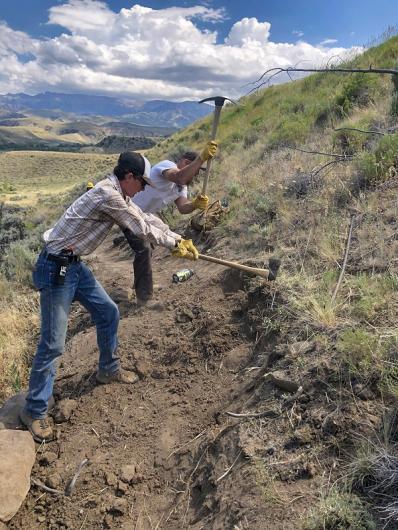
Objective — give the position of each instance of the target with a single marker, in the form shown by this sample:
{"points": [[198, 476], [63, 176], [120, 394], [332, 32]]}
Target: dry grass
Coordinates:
{"points": [[19, 321], [36, 174]]}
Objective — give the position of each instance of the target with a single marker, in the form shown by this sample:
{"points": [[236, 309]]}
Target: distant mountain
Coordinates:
{"points": [[151, 113]]}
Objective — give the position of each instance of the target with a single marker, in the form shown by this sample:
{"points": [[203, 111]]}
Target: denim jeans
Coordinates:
{"points": [[143, 280], [55, 302]]}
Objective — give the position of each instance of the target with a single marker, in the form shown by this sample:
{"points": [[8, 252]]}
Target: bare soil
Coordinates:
{"points": [[189, 464]]}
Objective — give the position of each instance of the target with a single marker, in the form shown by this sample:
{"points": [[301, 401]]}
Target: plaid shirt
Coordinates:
{"points": [[88, 221]]}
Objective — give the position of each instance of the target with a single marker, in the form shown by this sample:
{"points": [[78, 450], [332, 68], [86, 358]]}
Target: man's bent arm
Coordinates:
{"points": [[185, 175]]}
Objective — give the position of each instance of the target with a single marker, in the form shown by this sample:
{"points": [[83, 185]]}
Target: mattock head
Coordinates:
{"points": [[218, 100]]}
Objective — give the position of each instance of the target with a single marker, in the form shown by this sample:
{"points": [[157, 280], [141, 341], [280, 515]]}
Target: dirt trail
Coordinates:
{"points": [[169, 428]]}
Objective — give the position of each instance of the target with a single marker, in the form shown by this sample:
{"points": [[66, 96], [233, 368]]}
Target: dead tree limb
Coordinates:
{"points": [[347, 249], [273, 72], [359, 130], [318, 152]]}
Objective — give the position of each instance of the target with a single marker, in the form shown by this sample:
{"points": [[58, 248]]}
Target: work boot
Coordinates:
{"points": [[40, 429], [120, 376]]}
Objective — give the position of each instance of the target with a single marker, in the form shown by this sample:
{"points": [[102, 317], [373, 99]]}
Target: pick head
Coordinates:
{"points": [[218, 100]]}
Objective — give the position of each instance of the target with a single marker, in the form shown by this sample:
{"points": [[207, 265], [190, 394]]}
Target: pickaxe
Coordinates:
{"points": [[218, 104]]}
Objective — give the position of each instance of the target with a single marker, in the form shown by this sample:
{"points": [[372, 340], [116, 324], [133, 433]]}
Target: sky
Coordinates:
{"points": [[175, 49]]}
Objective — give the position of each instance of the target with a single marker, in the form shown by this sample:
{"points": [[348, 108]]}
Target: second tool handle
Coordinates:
{"points": [[216, 119]]}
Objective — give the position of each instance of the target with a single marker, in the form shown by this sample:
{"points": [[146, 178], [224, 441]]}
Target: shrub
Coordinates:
{"points": [[339, 511], [18, 262], [381, 164]]}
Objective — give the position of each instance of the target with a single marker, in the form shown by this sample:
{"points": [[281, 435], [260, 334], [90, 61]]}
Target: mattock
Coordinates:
{"points": [[218, 104]]}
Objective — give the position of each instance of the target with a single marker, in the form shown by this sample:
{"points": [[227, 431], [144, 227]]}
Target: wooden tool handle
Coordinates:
{"points": [[264, 273], [216, 119]]}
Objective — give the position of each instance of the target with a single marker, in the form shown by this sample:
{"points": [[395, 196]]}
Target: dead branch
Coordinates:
{"points": [[230, 467], [318, 152], [272, 72], [331, 162], [72, 483], [347, 249], [264, 414], [359, 130], [39, 484]]}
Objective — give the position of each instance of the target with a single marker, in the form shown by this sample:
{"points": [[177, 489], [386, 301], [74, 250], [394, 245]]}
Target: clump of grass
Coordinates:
{"points": [[380, 164], [19, 320], [339, 511]]}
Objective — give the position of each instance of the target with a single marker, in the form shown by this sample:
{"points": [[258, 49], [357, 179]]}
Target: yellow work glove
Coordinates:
{"points": [[185, 249], [209, 151], [201, 202]]}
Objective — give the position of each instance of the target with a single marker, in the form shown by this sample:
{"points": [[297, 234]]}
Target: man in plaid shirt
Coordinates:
{"points": [[62, 278]]}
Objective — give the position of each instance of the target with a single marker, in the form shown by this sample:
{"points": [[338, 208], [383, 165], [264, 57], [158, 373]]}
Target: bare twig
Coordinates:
{"points": [[40, 484], [72, 483], [347, 249], [359, 130], [230, 467], [272, 72], [187, 443], [330, 163], [318, 152], [264, 414]]}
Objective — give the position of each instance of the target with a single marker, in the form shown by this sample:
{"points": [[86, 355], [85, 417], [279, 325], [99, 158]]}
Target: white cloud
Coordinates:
{"points": [[298, 33], [147, 53], [326, 42]]}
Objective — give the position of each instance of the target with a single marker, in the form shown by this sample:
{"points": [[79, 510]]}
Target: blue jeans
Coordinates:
{"points": [[55, 301]]}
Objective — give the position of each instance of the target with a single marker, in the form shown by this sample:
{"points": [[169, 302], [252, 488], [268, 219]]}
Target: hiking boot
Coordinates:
{"points": [[40, 429], [120, 376]]}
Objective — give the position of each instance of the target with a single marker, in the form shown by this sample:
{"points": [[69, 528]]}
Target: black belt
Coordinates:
{"points": [[69, 258]]}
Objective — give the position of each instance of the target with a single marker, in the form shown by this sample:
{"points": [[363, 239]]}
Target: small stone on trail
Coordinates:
{"points": [[280, 380], [143, 368], [54, 480], [128, 473], [122, 487], [118, 507], [110, 479], [63, 410], [17, 450], [47, 458]]}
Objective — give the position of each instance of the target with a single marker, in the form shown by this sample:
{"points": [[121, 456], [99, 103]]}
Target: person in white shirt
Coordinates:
{"points": [[170, 182]]}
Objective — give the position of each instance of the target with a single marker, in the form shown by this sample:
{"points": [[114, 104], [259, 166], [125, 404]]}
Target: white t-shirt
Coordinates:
{"points": [[152, 200]]}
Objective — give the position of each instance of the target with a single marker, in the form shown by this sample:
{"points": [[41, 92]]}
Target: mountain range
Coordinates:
{"points": [[157, 113]]}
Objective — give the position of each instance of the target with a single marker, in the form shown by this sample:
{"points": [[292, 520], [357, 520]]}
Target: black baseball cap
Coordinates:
{"points": [[137, 164]]}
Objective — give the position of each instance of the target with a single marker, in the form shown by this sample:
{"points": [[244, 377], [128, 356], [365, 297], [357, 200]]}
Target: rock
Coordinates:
{"points": [[110, 479], [63, 410], [301, 347], [143, 368], [54, 480], [48, 458], [118, 507], [280, 380], [128, 473], [9, 412], [17, 450], [3, 526], [122, 488]]}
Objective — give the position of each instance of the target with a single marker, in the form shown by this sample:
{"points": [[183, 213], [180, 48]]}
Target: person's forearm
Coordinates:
{"points": [[184, 176]]}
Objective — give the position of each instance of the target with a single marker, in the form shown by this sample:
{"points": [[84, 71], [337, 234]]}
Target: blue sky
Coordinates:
{"points": [[199, 48], [351, 22]]}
